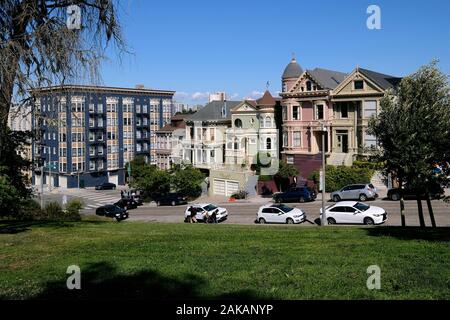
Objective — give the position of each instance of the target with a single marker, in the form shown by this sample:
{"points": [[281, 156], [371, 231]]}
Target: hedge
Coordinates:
{"points": [[338, 177]]}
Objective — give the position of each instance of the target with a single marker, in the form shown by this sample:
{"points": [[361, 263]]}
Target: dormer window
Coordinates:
{"points": [[308, 85], [358, 84]]}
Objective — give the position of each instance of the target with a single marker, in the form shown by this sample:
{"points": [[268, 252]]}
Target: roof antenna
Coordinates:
{"points": [[293, 56], [267, 85]]}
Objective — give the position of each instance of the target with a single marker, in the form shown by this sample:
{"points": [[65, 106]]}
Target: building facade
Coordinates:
{"points": [[89, 133], [169, 141], [335, 104]]}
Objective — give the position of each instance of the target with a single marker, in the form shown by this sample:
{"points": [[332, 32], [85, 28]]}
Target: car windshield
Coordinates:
{"points": [[209, 207], [283, 208], [361, 206]]}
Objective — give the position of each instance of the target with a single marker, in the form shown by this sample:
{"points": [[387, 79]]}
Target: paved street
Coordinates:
{"points": [[245, 213], [242, 212]]}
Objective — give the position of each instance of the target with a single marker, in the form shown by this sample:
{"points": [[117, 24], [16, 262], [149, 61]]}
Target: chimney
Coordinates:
{"points": [[139, 86]]}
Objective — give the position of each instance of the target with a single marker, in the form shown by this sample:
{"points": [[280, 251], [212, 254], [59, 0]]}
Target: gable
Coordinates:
{"points": [[302, 83], [244, 107], [347, 86]]}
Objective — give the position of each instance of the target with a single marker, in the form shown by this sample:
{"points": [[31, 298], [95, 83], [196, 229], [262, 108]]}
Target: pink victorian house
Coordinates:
{"points": [[307, 107]]}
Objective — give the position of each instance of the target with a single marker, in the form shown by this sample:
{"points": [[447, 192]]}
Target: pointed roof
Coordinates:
{"points": [[292, 70], [213, 111], [266, 100], [328, 79], [383, 80]]}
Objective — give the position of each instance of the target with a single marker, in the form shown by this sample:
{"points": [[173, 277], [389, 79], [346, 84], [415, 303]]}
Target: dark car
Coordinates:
{"points": [[436, 192], [296, 194], [105, 186], [126, 203], [172, 199], [112, 211]]}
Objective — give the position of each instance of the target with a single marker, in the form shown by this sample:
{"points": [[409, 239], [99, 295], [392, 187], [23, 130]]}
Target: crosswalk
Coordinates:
{"points": [[95, 198]]}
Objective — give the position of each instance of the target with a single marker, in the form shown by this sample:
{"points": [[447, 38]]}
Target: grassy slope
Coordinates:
{"points": [[146, 260]]}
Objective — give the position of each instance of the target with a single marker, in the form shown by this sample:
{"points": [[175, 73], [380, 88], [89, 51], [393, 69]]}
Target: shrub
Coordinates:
{"points": [[73, 207], [241, 194], [54, 211], [338, 177], [367, 165], [9, 197], [265, 178], [30, 210]]}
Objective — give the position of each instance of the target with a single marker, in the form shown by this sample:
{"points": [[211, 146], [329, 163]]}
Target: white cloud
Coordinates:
{"points": [[200, 95], [254, 95]]}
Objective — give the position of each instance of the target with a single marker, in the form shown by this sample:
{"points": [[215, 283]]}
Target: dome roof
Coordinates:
{"points": [[292, 70]]}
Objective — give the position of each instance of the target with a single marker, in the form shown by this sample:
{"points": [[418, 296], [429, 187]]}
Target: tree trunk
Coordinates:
{"points": [[430, 211], [419, 206], [402, 202]]}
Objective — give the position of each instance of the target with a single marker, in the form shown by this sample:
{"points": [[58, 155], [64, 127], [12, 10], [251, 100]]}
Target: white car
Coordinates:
{"points": [[222, 213], [279, 213], [354, 212]]}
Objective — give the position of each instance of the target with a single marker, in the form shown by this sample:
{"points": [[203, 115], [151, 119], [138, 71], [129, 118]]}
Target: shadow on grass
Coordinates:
{"points": [[101, 281], [17, 226], [411, 233]]}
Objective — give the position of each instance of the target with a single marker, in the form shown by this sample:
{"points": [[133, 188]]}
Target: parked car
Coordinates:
{"points": [[203, 208], [360, 192], [297, 194], [279, 213], [106, 186], [354, 212], [112, 211], [436, 192], [126, 203], [172, 199]]}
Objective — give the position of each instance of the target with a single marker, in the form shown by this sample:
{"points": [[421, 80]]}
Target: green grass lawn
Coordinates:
{"points": [[178, 261]]}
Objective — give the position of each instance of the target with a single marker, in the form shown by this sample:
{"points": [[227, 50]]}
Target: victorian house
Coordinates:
{"points": [[225, 137], [332, 103]]}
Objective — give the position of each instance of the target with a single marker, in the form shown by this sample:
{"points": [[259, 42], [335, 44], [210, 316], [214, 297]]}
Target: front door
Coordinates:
{"points": [[342, 142]]}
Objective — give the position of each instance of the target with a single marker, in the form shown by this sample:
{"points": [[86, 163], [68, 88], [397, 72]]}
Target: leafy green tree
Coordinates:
{"points": [[188, 181], [153, 180], [413, 130], [8, 197], [285, 172]]}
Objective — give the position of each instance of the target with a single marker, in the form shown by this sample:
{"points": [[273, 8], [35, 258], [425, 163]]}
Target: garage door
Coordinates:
{"points": [[62, 182], [225, 187], [114, 178]]}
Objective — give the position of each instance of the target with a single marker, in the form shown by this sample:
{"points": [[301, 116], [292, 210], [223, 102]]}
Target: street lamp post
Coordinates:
{"points": [[323, 221]]}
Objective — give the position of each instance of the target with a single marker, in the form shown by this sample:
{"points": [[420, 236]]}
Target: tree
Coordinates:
{"points": [[413, 130], [285, 172], [38, 47], [187, 181], [152, 180]]}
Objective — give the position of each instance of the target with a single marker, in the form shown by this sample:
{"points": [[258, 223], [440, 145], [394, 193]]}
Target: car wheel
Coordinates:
{"points": [[362, 197], [336, 198], [289, 221], [331, 221], [173, 203], [368, 221], [262, 221], [301, 200], [395, 196]]}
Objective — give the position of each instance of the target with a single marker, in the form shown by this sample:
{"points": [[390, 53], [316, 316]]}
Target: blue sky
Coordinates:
{"points": [[196, 47]]}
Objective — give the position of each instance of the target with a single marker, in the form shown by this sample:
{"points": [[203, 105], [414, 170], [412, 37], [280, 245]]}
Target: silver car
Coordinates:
{"points": [[360, 192]]}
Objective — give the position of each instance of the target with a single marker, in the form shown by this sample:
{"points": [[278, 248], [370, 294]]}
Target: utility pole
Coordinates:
{"points": [[323, 221], [49, 168], [42, 178]]}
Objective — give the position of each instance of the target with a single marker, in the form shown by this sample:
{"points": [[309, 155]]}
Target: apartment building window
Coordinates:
{"points": [[138, 108], [358, 84], [285, 139], [319, 112], [100, 151], [91, 122], [62, 137], [92, 151], [100, 108], [91, 165], [100, 122], [91, 108], [100, 137], [144, 108], [296, 112], [297, 138], [91, 136]]}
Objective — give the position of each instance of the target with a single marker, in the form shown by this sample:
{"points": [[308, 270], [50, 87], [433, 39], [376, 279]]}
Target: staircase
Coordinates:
{"points": [[340, 159], [379, 182]]}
